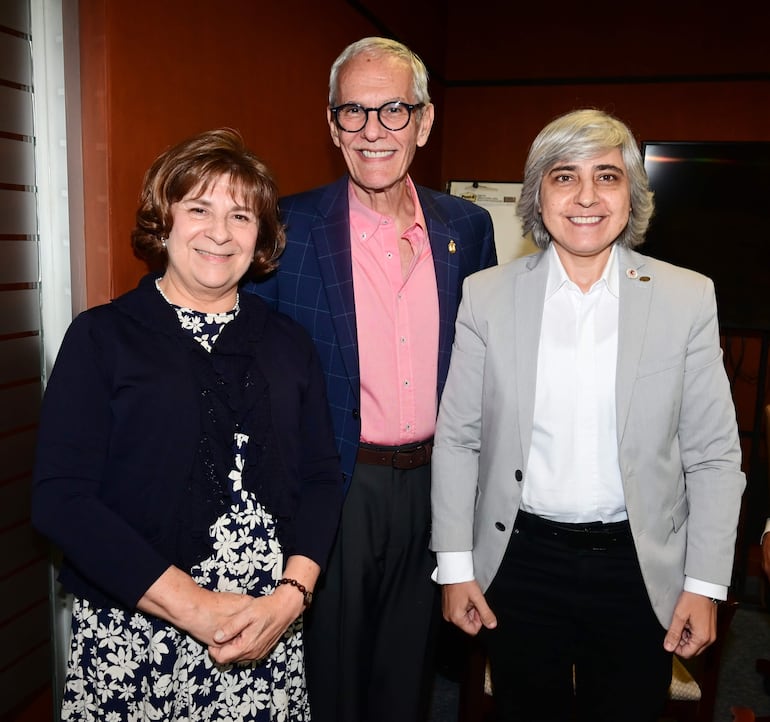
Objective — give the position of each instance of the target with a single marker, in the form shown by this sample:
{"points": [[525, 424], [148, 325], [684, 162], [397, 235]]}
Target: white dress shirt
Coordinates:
{"points": [[573, 473]]}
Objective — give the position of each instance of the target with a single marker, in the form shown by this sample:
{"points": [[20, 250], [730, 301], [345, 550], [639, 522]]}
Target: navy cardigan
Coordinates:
{"points": [[120, 435]]}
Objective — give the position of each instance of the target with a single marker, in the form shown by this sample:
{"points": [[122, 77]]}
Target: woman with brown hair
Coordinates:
{"points": [[186, 466]]}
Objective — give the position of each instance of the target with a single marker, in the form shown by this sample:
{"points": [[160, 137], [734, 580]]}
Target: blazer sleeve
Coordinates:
{"points": [[488, 248], [710, 450]]}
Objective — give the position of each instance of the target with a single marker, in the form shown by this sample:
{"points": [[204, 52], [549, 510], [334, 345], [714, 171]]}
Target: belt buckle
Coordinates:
{"points": [[411, 458]]}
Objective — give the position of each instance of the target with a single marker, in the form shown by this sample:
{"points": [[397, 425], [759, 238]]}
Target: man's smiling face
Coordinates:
{"points": [[378, 159]]}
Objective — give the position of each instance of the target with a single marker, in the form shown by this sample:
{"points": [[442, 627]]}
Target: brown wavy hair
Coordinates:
{"points": [[197, 163]]}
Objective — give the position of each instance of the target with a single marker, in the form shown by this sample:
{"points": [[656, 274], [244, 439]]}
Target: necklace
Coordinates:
{"points": [[235, 309]]}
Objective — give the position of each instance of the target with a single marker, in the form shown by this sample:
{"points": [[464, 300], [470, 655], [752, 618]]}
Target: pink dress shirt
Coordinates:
{"points": [[397, 323]]}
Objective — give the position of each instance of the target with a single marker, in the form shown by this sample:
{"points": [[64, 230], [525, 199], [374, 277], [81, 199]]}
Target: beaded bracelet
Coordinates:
{"points": [[307, 597]]}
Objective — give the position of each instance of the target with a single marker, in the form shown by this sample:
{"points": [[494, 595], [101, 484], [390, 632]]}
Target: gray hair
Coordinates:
{"points": [[580, 135], [378, 48]]}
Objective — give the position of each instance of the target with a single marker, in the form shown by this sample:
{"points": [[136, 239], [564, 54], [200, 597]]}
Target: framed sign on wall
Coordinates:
{"points": [[500, 199]]}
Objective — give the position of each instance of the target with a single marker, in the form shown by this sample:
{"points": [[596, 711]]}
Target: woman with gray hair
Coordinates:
{"points": [[581, 135], [586, 477]]}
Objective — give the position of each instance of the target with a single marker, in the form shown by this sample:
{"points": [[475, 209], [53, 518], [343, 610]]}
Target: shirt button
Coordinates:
{"points": [[519, 476], [499, 526]]}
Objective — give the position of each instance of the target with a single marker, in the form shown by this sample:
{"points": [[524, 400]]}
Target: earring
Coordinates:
{"points": [[163, 241]]}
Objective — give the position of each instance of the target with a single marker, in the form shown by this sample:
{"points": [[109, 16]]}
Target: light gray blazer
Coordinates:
{"points": [[678, 442]]}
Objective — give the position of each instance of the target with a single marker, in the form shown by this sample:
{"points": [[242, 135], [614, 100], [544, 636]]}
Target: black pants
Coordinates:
{"points": [[576, 636], [370, 633]]}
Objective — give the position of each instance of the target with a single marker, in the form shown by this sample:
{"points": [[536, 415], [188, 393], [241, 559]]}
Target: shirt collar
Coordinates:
{"points": [[366, 221], [557, 276]]}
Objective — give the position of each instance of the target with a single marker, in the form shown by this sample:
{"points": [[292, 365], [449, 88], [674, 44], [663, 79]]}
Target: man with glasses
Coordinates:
{"points": [[373, 268]]}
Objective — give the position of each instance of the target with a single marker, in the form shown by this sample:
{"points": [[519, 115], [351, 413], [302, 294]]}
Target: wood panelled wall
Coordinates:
{"points": [[670, 70], [24, 620], [155, 72]]}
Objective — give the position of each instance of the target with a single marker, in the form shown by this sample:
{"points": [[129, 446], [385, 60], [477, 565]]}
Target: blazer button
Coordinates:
{"points": [[499, 526], [519, 476], [356, 413]]}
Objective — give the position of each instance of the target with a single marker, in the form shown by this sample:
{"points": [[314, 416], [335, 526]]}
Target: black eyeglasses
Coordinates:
{"points": [[352, 117]]}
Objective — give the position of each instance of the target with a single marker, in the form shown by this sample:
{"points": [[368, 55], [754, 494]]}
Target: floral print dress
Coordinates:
{"points": [[128, 666]]}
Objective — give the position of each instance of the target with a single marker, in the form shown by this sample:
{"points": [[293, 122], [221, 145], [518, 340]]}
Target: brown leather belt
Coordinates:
{"points": [[407, 457]]}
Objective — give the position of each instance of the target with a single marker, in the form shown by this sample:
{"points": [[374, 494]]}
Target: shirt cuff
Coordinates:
{"points": [[767, 529], [707, 589], [453, 567]]}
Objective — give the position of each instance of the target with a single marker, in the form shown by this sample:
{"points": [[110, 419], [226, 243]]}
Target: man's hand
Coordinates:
{"points": [[693, 627], [464, 605]]}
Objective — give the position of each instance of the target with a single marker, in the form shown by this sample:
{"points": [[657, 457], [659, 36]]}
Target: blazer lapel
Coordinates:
{"points": [[635, 298], [447, 273], [331, 240], [529, 299]]}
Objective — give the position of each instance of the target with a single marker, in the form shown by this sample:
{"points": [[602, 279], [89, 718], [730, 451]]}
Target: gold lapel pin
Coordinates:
{"points": [[452, 247]]}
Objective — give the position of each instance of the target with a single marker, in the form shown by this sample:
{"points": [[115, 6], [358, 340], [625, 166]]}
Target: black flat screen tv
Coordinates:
{"points": [[712, 214]]}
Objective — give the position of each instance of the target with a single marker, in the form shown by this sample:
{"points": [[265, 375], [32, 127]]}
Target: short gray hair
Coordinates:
{"points": [[580, 135], [378, 48]]}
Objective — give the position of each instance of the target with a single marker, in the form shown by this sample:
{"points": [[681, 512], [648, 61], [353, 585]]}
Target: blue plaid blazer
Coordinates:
{"points": [[314, 285]]}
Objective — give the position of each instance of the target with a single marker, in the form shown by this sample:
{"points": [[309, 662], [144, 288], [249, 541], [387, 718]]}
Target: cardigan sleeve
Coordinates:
{"points": [[71, 478], [321, 481], [302, 423]]}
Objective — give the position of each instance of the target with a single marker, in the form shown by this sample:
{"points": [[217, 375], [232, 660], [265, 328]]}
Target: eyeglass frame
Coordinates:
{"points": [[410, 107]]}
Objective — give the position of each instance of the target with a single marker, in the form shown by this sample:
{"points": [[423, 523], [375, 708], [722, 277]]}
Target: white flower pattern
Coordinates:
{"points": [[137, 668], [205, 328]]}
